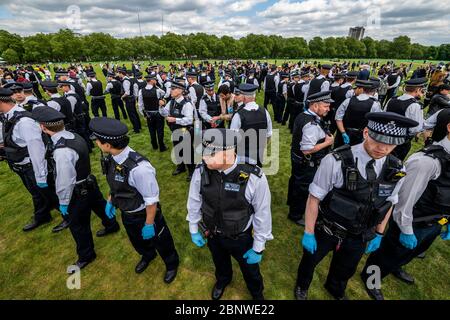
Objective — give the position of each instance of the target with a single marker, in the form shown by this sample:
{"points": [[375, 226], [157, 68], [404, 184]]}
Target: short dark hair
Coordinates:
{"points": [[118, 144], [52, 90], [224, 89], [56, 127]]}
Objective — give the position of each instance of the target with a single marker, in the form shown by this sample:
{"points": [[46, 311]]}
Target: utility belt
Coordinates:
{"points": [[334, 229], [150, 114], [305, 160], [354, 130], [20, 167], [428, 221], [97, 97], [143, 213], [115, 96], [83, 187], [216, 232]]}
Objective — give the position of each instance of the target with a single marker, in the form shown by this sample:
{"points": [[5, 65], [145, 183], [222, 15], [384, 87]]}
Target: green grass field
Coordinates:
{"points": [[33, 265]]}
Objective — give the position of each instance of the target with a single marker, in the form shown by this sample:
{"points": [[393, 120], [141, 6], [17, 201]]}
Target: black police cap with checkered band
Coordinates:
{"points": [[389, 127]]}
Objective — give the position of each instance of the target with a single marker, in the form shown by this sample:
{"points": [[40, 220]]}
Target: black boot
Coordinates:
{"points": [[34, 224]]}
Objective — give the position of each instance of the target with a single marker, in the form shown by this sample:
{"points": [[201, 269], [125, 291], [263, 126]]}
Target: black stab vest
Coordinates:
{"points": [[224, 206]]}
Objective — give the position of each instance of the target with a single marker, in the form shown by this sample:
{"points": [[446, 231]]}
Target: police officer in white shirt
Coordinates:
{"points": [[150, 98], [76, 188], [350, 202], [243, 224], [24, 150], [422, 211], [134, 190], [252, 118]]}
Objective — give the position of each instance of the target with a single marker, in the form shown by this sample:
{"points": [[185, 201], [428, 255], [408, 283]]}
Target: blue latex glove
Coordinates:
{"points": [[110, 210], [446, 235], [42, 185], [309, 242], [63, 209], [408, 240], [148, 231], [252, 257], [197, 239], [374, 244], [346, 138]]}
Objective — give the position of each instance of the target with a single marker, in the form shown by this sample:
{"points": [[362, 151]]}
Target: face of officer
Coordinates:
{"points": [[175, 92], [320, 108], [375, 149], [220, 160], [65, 88], [238, 98], [18, 96], [445, 92]]}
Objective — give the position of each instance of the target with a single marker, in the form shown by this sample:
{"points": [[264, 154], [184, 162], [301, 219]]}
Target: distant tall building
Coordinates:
{"points": [[356, 33]]}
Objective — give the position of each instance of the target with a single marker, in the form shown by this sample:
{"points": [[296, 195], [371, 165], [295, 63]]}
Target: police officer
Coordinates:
{"points": [[228, 80], [128, 96], [179, 114], [31, 101], [209, 109], [134, 190], [350, 201], [24, 150], [254, 121], [319, 83], [298, 104], [350, 116], [17, 90], [282, 89], [60, 103], [114, 88], [338, 95], [423, 209], [230, 203], [94, 88], [196, 91], [311, 141], [393, 81], [150, 98], [408, 105], [270, 87], [76, 188]]}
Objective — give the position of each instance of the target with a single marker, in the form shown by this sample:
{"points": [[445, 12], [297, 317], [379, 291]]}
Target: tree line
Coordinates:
{"points": [[67, 46]]}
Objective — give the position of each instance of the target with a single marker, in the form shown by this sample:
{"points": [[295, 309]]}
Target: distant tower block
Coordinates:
{"points": [[356, 33]]}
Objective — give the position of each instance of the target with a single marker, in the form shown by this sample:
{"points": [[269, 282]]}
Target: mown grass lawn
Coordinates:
{"points": [[33, 265]]}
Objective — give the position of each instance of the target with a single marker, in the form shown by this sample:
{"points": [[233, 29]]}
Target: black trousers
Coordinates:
{"points": [[116, 104], [190, 166], [83, 201], [44, 200], [222, 249], [278, 108], [402, 150], [392, 254], [98, 104], [343, 264], [287, 111], [155, 124], [296, 109], [130, 104], [301, 177], [270, 97], [161, 243]]}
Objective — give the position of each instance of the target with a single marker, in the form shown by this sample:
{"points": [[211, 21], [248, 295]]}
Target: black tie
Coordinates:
{"points": [[370, 171]]}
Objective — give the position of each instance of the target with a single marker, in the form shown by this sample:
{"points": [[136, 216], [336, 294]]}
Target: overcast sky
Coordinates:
{"points": [[425, 21]]}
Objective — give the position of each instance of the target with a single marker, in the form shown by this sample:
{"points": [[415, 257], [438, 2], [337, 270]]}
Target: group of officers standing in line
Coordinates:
{"points": [[346, 194]]}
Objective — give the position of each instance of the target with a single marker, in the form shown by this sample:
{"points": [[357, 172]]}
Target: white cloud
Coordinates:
{"points": [[425, 21]]}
